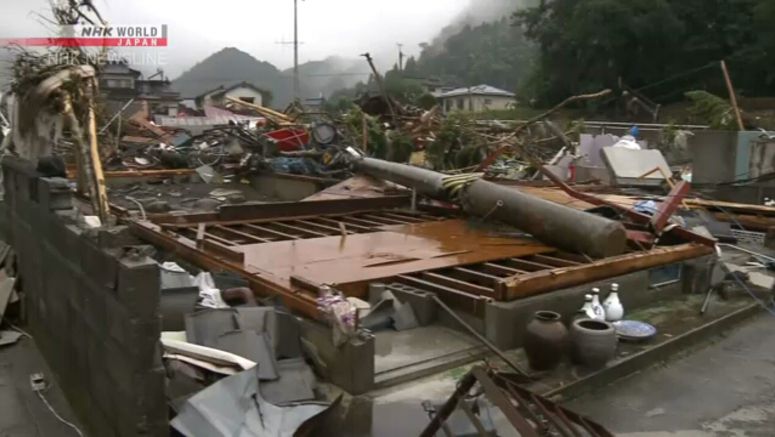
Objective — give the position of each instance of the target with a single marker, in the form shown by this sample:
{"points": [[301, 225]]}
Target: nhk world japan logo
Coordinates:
{"points": [[114, 35]]}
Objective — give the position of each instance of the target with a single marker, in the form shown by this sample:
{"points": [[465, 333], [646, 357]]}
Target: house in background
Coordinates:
{"points": [[117, 81], [476, 99], [244, 91], [119, 84], [161, 97]]}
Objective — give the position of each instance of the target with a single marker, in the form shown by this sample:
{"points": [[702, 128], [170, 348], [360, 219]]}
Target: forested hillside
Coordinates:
{"points": [[669, 46]]}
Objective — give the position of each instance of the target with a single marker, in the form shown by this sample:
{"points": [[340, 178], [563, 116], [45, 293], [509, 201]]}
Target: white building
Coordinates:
{"points": [[244, 91], [476, 99]]}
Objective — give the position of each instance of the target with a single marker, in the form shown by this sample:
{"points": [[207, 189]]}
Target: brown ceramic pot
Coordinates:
{"points": [[546, 340], [593, 343]]}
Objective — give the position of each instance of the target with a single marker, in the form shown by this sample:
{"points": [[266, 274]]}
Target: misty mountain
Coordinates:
{"points": [[480, 46], [478, 12], [230, 66], [493, 53], [329, 75]]}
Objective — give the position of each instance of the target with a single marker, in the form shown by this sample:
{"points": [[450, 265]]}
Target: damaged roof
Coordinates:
{"points": [[478, 90]]}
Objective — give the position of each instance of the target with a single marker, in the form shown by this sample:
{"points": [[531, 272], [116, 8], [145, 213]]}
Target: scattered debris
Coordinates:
{"points": [[235, 406]]}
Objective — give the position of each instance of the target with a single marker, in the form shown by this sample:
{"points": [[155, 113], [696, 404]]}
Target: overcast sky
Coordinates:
{"points": [[198, 28]]}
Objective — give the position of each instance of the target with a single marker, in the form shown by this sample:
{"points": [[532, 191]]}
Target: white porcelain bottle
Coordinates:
{"points": [[587, 311], [597, 307], [614, 310]]}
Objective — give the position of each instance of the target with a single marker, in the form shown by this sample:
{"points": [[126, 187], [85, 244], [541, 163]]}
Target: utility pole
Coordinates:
{"points": [[296, 91], [400, 57], [382, 89]]}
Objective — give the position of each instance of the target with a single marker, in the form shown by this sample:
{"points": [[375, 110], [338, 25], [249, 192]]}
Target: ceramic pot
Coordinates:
{"points": [[593, 343], [546, 340]]}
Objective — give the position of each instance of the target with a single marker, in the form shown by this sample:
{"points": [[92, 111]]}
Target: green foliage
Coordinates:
{"points": [[588, 45], [427, 101], [457, 143], [377, 145], [713, 110], [401, 87], [764, 14], [337, 105], [401, 147], [494, 53]]}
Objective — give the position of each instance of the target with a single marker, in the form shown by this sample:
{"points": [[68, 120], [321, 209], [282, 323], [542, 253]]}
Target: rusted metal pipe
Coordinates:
{"points": [[565, 228]]}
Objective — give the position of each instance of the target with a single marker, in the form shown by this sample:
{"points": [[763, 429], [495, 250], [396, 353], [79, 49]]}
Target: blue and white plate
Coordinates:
{"points": [[633, 330]]}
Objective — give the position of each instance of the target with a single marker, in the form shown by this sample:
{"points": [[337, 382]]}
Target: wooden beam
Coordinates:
{"points": [[272, 232], [498, 269], [302, 230], [349, 225], [556, 262], [371, 224], [475, 276], [457, 284], [732, 95], [333, 229], [530, 266], [223, 250], [549, 280], [96, 160], [385, 220], [461, 300], [409, 218], [241, 234], [219, 239]]}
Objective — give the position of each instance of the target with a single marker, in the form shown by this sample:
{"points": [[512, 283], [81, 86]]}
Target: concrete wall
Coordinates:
{"points": [[714, 155], [349, 365], [92, 309], [728, 156], [762, 158], [505, 322]]}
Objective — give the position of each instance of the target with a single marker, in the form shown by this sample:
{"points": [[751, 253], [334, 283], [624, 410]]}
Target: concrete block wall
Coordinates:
{"points": [[350, 365], [505, 323], [92, 304]]}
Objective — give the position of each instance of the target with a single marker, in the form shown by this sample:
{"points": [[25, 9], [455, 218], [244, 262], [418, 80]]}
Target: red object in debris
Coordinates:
{"points": [[289, 139]]}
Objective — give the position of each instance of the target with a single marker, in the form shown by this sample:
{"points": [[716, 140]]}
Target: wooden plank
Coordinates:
{"points": [[219, 239], [542, 281], [302, 230], [96, 161], [749, 222], [475, 276], [457, 299], [272, 232], [385, 220], [500, 270], [581, 259], [406, 217], [348, 225], [334, 230], [530, 266], [302, 303], [283, 210], [371, 224], [552, 261], [457, 284], [223, 250], [246, 235]]}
